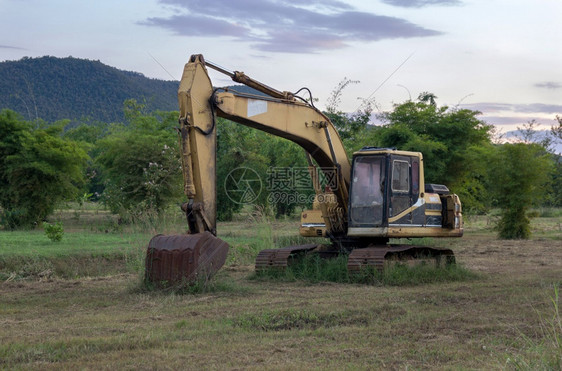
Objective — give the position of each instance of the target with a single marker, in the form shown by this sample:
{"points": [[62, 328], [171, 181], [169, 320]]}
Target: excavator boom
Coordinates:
{"points": [[278, 113]]}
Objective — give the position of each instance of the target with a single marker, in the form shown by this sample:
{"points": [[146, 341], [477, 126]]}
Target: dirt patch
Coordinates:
{"points": [[486, 254]]}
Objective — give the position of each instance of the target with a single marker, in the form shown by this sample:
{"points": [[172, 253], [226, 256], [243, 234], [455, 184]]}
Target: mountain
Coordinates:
{"points": [[53, 89]]}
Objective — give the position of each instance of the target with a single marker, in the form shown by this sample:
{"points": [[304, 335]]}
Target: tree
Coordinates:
{"points": [[556, 130], [448, 139], [529, 133], [277, 163], [140, 163], [349, 125], [88, 133], [38, 170], [519, 175], [288, 179], [557, 182]]}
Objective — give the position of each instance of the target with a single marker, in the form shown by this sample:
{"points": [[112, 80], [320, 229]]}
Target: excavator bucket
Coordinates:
{"points": [[186, 258]]}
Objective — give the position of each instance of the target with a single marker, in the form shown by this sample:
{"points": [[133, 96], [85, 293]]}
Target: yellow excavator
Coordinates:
{"points": [[362, 203]]}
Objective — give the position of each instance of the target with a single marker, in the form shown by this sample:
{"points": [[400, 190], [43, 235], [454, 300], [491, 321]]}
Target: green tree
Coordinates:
{"points": [[288, 180], [38, 170], [530, 133], [448, 138], [556, 195], [519, 178], [350, 126], [457, 129], [556, 133], [88, 133], [267, 156], [239, 146], [140, 163], [556, 130]]}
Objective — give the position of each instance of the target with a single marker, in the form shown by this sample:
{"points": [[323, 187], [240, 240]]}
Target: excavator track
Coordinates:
{"points": [[279, 258], [377, 256]]}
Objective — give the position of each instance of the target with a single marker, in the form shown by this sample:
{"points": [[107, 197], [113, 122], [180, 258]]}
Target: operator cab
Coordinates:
{"points": [[384, 184], [388, 196]]}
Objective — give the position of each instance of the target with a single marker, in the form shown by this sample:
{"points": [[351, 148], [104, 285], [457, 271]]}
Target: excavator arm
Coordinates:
{"points": [[278, 113]]}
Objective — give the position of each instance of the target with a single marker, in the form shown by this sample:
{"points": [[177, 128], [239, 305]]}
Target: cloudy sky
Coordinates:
{"points": [[502, 57]]}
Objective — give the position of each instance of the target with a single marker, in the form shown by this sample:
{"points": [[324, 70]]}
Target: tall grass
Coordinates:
{"points": [[545, 351], [260, 236]]}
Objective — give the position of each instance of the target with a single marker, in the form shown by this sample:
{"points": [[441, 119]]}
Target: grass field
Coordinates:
{"points": [[79, 304]]}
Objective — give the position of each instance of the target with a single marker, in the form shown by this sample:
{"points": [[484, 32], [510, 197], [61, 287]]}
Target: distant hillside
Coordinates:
{"points": [[69, 88]]}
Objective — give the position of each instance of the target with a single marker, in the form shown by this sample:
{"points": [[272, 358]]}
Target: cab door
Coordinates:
{"points": [[402, 189], [367, 193]]}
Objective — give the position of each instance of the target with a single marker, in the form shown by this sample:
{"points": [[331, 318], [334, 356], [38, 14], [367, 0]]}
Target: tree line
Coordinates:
{"points": [[133, 167]]}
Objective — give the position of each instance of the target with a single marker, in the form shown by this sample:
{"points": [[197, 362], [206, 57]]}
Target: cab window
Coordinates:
{"points": [[400, 176], [367, 191]]}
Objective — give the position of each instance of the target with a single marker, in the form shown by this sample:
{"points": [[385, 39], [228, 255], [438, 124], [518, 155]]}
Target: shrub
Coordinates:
{"points": [[140, 166], [54, 231], [521, 175], [38, 170]]}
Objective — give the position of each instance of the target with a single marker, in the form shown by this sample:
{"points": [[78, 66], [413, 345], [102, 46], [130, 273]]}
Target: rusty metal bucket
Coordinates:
{"points": [[186, 258]]}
